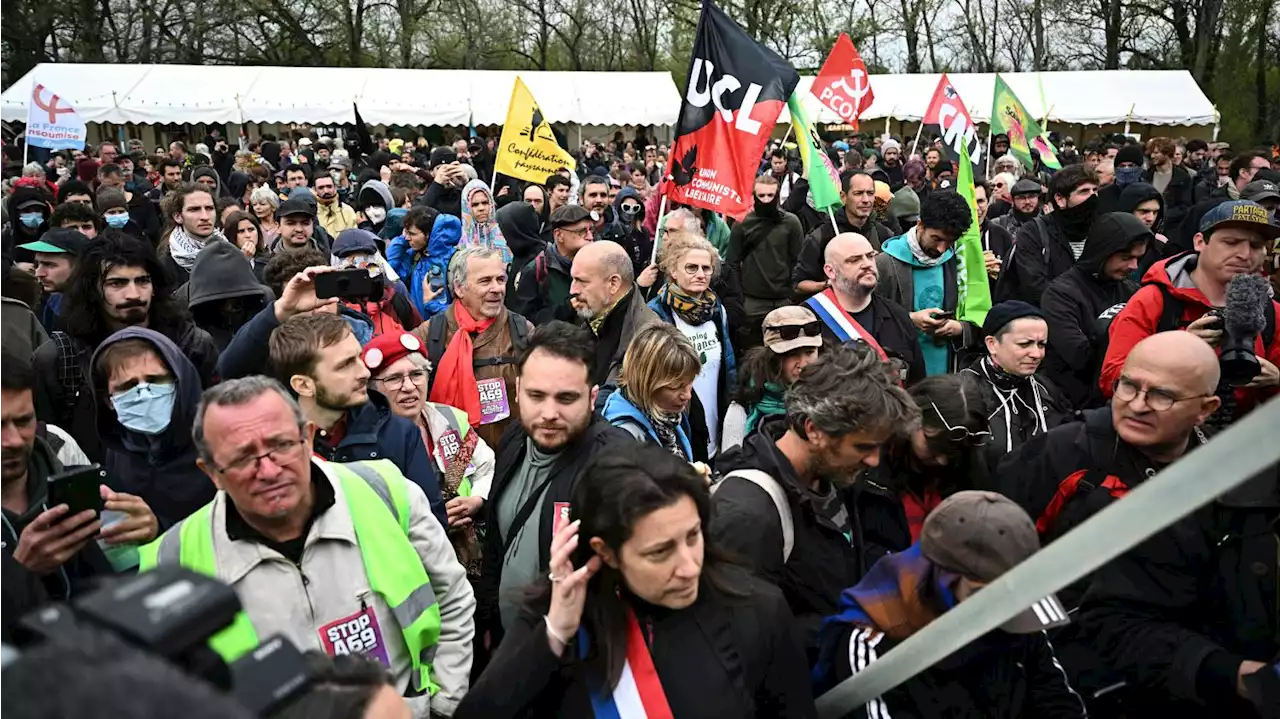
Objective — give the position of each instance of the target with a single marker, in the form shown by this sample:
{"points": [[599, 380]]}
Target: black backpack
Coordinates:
{"points": [[517, 325]]}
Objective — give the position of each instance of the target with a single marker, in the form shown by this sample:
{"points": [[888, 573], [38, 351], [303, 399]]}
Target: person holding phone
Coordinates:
{"points": [[49, 552], [635, 585]]}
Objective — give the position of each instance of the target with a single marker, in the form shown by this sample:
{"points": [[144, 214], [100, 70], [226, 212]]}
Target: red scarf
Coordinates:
{"points": [[456, 364], [917, 507]]}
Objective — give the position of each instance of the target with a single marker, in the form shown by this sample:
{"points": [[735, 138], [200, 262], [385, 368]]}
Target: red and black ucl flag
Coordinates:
{"points": [[736, 90]]}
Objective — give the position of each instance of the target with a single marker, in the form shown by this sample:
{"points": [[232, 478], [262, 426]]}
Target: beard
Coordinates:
{"points": [[132, 314], [852, 286], [339, 401]]}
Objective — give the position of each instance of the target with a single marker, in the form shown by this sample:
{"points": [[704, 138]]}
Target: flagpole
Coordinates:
{"points": [[832, 215], [990, 129], [662, 210], [915, 145], [790, 127]]}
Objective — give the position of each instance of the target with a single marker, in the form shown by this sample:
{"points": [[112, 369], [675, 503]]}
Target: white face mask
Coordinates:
{"points": [[375, 214]]}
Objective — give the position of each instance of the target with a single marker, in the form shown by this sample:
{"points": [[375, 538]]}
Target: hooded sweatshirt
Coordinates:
{"points": [[374, 192], [1132, 196], [237, 183], [1079, 304], [161, 468], [636, 241], [222, 272], [520, 226], [929, 286], [207, 171]]}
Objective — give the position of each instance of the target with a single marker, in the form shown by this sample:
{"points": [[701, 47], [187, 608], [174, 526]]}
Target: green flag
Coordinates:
{"points": [[1048, 153], [1008, 116], [974, 291], [824, 181]]}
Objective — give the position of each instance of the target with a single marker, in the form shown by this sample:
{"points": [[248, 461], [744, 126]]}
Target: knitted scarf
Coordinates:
{"points": [[455, 383], [695, 311], [917, 252], [183, 248]]}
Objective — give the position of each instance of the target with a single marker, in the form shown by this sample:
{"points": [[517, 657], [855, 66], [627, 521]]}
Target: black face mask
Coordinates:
{"points": [[630, 213], [1076, 220], [766, 209]]}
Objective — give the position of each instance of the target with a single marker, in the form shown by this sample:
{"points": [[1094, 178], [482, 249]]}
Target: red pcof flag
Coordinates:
{"points": [[736, 89], [948, 118], [843, 84]]}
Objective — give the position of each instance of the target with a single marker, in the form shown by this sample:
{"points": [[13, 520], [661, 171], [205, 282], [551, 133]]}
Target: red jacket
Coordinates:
{"points": [[1140, 317]]}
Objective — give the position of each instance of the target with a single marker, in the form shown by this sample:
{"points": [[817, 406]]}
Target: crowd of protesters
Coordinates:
{"points": [[559, 455]]}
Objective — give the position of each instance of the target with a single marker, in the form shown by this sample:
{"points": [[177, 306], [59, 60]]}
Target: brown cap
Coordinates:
{"points": [[787, 328], [569, 215], [982, 535]]}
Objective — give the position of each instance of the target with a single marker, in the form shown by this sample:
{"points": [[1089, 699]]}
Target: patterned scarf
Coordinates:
{"points": [[665, 425], [695, 311], [183, 248], [482, 234], [918, 252]]}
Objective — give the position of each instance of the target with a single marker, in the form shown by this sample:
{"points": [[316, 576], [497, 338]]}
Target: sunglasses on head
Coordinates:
{"points": [[960, 434], [790, 332]]}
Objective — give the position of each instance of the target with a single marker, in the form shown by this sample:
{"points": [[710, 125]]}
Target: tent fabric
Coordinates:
{"points": [[1084, 97], [143, 94]]}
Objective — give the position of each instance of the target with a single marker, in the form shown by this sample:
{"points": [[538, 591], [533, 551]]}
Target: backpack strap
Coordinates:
{"points": [[435, 341], [519, 331], [540, 268], [1170, 310], [765, 481]]}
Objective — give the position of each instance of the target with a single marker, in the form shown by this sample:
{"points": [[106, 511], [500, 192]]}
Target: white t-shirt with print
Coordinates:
{"points": [[707, 384]]}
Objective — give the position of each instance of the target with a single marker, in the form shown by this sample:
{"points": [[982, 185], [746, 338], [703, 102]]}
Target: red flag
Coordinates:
{"points": [[843, 84], [736, 89], [948, 118]]}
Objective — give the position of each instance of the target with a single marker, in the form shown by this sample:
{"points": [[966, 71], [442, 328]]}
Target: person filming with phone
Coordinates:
{"points": [[49, 547]]}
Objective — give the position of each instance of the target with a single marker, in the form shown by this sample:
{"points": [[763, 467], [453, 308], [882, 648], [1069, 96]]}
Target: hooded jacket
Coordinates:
{"points": [[1178, 196], [161, 469], [625, 415], [635, 240], [222, 272], [1041, 251], [521, 228], [374, 192], [15, 233], [1140, 318], [1134, 195], [208, 171], [1017, 408], [430, 268], [249, 353], [745, 521], [237, 183], [764, 247], [1079, 304]]}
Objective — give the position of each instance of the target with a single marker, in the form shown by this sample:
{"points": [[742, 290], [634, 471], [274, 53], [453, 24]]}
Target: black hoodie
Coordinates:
{"points": [[1075, 305], [222, 272], [1132, 196], [520, 226]]}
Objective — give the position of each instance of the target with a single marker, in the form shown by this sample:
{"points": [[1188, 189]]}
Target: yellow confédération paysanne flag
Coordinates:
{"points": [[528, 149]]}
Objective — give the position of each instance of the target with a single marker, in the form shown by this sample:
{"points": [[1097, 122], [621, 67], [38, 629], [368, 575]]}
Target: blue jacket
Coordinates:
{"points": [[161, 469], [728, 365], [373, 432], [432, 268], [619, 411], [249, 351]]}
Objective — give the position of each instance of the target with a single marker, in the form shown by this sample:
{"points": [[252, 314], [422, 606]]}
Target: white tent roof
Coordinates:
{"points": [[217, 93], [1097, 97]]}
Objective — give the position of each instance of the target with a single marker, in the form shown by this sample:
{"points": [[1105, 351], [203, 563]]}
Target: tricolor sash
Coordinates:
{"points": [[639, 692], [841, 323]]}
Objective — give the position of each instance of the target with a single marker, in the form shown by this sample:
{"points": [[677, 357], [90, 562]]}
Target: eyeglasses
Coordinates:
{"points": [[961, 434], [281, 452], [693, 269], [790, 332], [580, 233], [1157, 399], [396, 381]]}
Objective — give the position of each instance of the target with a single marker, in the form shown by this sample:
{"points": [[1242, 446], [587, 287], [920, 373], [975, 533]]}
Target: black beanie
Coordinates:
{"points": [[1130, 153], [1005, 312]]}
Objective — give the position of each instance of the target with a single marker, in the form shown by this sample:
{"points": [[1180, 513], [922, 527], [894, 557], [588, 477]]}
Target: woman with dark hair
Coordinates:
{"points": [[640, 608], [792, 337], [919, 470]]}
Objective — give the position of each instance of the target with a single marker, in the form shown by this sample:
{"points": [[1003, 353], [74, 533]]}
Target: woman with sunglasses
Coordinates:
{"points": [[640, 615], [792, 338], [919, 470], [686, 301], [1019, 404], [399, 369]]}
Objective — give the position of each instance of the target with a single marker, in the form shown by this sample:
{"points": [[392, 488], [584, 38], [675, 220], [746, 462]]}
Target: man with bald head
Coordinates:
{"points": [[1163, 395], [602, 292], [850, 310]]}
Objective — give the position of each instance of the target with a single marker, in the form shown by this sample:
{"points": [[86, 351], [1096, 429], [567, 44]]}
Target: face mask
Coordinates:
{"points": [[631, 213], [145, 408], [31, 220], [1128, 175], [766, 208], [117, 222], [337, 176], [1077, 219], [375, 214]]}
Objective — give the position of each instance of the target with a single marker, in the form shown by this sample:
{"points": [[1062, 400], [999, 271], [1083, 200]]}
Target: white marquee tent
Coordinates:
{"points": [[142, 94], [1081, 97]]}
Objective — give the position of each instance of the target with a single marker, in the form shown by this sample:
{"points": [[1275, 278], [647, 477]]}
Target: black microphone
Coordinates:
{"points": [[1243, 318]]}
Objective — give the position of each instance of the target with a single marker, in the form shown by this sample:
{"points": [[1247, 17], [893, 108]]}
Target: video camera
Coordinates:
{"points": [[1243, 319], [172, 613]]}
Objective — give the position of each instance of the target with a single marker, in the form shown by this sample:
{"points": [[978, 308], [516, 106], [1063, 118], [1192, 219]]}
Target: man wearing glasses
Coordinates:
{"points": [[1162, 396], [342, 558], [318, 358], [542, 287]]}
